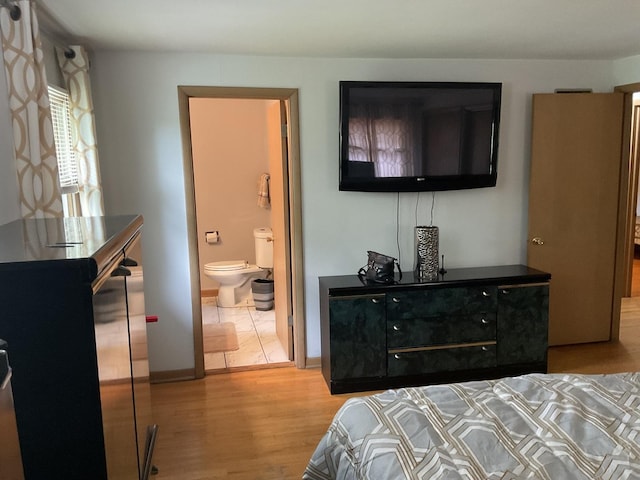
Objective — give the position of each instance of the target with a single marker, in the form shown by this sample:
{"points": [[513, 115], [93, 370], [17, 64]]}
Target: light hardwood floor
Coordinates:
{"points": [[265, 424]]}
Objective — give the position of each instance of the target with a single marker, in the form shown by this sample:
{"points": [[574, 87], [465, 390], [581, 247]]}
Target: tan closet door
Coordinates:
{"points": [[573, 209]]}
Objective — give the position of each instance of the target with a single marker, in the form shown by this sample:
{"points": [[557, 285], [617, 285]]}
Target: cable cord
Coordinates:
{"points": [[433, 203], [398, 225]]}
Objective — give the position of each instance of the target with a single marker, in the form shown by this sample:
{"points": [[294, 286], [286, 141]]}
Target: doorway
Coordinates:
{"points": [[633, 289], [284, 218], [624, 300]]}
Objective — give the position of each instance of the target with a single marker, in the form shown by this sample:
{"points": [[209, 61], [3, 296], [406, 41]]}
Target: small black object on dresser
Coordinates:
{"points": [[472, 323]]}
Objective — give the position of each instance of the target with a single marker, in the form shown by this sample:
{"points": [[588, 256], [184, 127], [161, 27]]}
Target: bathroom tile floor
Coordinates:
{"points": [[256, 333]]}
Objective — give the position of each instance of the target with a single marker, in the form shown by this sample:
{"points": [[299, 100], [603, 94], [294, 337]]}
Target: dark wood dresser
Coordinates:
{"points": [[469, 323]]}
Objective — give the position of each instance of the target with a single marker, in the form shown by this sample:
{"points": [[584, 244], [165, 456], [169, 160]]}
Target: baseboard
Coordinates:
{"points": [[312, 362], [169, 376], [172, 375], [211, 292]]}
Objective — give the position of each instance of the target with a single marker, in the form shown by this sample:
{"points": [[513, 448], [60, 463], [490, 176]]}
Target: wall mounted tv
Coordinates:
{"points": [[418, 136]]}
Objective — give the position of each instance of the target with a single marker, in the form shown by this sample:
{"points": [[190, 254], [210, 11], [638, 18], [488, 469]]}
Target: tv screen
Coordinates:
{"points": [[418, 136]]}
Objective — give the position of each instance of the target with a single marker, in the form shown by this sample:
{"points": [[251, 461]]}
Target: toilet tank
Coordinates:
{"points": [[264, 247]]}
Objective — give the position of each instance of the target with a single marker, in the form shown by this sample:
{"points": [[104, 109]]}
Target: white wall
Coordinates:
{"points": [[136, 105], [626, 70], [135, 98]]}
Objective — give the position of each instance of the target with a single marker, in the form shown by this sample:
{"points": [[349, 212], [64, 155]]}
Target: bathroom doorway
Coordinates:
{"points": [[235, 124]]}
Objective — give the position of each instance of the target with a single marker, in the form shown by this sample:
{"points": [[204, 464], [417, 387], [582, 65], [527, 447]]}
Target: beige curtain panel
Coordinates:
{"points": [[36, 163], [75, 69]]}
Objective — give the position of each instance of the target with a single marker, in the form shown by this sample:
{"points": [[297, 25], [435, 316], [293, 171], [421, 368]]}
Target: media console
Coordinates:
{"points": [[468, 324]]}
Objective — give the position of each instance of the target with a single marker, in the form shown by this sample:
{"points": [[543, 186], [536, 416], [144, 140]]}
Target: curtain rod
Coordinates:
{"points": [[56, 42], [14, 10], [16, 13], [51, 28]]}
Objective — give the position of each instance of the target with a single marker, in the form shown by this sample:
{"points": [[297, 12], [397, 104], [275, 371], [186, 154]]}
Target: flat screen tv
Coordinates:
{"points": [[418, 136]]}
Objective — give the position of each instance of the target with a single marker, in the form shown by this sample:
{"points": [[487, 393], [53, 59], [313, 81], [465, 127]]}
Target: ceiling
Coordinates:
{"points": [[500, 29]]}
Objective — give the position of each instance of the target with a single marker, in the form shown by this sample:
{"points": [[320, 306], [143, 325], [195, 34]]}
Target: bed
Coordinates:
{"points": [[538, 426]]}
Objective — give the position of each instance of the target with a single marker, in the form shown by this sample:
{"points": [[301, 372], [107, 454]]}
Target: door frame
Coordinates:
{"points": [[290, 97], [626, 208]]}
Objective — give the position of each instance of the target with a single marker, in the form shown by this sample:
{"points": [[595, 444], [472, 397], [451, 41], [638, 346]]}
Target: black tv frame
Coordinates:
{"points": [[415, 183]]}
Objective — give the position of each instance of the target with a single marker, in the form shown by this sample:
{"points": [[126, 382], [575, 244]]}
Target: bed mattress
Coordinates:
{"points": [[538, 426]]}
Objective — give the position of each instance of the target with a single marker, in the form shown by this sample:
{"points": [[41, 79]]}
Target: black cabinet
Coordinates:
{"points": [[467, 324], [70, 294]]}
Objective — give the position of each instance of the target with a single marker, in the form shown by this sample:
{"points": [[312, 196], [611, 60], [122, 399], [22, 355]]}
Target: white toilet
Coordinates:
{"points": [[235, 276]]}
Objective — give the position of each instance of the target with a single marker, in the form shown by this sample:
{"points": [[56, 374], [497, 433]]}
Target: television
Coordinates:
{"points": [[418, 136]]}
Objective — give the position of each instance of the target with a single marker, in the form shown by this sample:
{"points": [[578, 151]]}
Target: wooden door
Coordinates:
{"points": [[279, 181], [573, 209], [631, 290]]}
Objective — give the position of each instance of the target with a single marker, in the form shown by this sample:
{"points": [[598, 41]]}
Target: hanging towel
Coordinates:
{"points": [[264, 200]]}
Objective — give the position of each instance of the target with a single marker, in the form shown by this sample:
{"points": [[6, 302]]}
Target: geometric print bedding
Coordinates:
{"points": [[536, 426]]}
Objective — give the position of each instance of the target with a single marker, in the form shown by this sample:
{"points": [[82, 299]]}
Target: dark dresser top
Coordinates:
{"points": [[501, 274], [93, 240]]}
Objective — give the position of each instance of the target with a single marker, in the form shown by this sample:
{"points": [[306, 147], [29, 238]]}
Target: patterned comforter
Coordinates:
{"points": [[536, 426]]}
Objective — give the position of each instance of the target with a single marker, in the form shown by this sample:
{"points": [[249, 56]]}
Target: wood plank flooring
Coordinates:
{"points": [[259, 424], [265, 424], [605, 357]]}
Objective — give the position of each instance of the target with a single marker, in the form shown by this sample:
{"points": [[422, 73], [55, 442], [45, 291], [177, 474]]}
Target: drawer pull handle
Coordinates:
{"points": [[395, 300], [375, 300], [396, 328], [484, 321], [485, 293], [505, 291], [397, 356], [485, 349]]}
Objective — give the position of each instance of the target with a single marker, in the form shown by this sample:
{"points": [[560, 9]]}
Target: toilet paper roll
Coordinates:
{"points": [[211, 237]]}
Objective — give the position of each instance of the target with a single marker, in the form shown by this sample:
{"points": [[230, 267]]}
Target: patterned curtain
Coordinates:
{"points": [[75, 69], [36, 163]]}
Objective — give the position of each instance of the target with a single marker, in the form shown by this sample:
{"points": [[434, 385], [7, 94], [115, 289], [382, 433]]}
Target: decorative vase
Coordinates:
{"points": [[427, 264]]}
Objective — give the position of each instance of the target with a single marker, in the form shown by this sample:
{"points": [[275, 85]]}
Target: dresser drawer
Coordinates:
{"points": [[434, 302], [450, 329], [441, 360]]}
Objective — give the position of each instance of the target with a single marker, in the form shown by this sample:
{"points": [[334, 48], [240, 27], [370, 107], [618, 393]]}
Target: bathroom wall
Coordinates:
{"points": [[229, 145]]}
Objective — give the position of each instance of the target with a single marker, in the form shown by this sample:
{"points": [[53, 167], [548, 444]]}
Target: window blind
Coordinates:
{"points": [[63, 138]]}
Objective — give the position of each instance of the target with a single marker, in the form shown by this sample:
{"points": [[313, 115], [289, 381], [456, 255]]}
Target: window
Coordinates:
{"points": [[382, 135], [383, 141], [63, 138]]}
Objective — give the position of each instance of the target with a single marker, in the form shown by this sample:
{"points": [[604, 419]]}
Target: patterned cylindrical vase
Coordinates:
{"points": [[427, 252]]}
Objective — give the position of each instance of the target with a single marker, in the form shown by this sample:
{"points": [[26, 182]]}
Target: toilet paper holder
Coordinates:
{"points": [[212, 237]]}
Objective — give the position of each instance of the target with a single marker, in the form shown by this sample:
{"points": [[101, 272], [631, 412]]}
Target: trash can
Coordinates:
{"points": [[262, 290]]}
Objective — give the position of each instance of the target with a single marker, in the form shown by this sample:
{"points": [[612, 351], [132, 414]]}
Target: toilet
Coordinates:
{"points": [[235, 276]]}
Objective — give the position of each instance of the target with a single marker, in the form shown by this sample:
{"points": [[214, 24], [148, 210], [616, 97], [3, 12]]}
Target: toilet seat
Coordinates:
{"points": [[226, 266], [234, 278]]}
